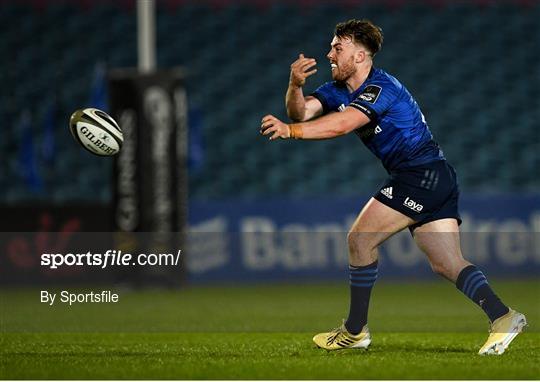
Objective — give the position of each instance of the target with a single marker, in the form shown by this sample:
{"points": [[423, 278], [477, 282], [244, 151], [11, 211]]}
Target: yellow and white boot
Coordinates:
{"points": [[340, 338], [503, 330]]}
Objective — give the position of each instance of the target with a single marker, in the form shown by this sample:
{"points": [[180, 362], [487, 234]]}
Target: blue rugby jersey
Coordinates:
{"points": [[397, 132]]}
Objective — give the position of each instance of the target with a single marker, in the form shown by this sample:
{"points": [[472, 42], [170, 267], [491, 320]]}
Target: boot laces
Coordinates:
{"points": [[335, 333]]}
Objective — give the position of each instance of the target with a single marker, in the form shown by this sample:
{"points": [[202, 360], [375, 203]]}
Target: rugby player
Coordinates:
{"points": [[421, 192]]}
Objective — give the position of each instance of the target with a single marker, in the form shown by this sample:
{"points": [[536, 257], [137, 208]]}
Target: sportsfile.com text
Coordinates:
{"points": [[110, 257]]}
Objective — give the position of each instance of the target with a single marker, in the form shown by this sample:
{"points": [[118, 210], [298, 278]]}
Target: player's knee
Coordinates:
{"points": [[448, 271], [354, 241], [439, 269], [360, 247]]}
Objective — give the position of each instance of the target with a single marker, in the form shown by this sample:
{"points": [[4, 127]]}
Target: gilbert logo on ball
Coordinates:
{"points": [[96, 131]]}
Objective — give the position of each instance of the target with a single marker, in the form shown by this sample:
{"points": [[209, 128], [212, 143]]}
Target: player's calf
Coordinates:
{"points": [[473, 283]]}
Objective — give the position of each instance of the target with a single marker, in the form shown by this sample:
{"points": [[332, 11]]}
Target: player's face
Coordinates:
{"points": [[341, 58]]}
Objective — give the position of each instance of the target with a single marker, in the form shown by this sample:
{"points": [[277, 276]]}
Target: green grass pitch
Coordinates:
{"points": [[424, 330]]}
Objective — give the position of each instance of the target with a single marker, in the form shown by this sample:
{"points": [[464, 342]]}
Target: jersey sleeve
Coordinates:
{"points": [[324, 94], [375, 99]]}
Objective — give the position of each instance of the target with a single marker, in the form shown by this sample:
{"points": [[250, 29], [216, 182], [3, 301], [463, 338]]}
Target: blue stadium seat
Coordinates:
{"points": [[239, 66]]}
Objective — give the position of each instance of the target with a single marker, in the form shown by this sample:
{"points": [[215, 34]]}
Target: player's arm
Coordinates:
{"points": [[300, 108], [328, 126]]}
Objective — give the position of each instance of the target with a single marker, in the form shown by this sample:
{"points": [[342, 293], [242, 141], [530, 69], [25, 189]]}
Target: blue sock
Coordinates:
{"points": [[472, 282], [362, 280]]}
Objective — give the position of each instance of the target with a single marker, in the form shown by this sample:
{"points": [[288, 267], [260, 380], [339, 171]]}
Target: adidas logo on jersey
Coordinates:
{"points": [[413, 205], [387, 192]]}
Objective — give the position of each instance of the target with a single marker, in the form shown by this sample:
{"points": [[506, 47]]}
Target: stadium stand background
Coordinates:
{"points": [[473, 67]]}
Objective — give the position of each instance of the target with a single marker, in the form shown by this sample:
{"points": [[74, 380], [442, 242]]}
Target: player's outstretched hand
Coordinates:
{"points": [[272, 125], [300, 70]]}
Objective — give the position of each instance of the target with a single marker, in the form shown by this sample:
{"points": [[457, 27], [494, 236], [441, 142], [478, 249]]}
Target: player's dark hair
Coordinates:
{"points": [[363, 32]]}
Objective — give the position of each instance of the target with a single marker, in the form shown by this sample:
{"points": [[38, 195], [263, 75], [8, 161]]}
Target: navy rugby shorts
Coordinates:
{"points": [[424, 193]]}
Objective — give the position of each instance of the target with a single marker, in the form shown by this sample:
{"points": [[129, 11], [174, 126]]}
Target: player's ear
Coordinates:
{"points": [[359, 56]]}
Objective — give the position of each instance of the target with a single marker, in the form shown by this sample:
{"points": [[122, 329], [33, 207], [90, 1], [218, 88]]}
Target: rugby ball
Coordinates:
{"points": [[96, 131]]}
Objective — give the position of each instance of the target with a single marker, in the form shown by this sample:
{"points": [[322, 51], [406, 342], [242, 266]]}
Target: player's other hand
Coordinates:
{"points": [[300, 70], [277, 129]]}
